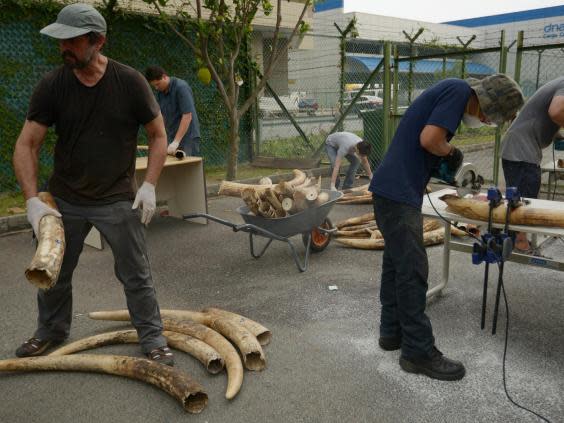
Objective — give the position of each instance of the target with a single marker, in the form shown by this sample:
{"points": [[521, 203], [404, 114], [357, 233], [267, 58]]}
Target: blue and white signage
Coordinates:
{"points": [[553, 30]]}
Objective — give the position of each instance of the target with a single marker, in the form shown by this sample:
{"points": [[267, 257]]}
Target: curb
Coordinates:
{"points": [[18, 222], [13, 223]]}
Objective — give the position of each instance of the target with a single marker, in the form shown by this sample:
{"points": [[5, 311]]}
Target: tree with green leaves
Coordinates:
{"points": [[218, 32]]}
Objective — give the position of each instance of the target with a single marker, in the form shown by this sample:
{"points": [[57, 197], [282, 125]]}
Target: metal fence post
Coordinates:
{"points": [[387, 94], [395, 80], [502, 66], [464, 48], [343, 34], [410, 74], [519, 56]]}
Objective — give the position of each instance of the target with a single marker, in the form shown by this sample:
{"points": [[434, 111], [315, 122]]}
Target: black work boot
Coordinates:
{"points": [[437, 367], [390, 343]]}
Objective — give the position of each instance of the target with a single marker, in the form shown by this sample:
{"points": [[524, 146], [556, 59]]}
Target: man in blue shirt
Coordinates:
{"points": [[398, 186], [176, 101]]}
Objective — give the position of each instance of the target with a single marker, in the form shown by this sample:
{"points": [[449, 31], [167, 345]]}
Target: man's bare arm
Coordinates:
{"points": [[433, 139], [26, 156], [336, 169], [183, 126], [157, 149]]}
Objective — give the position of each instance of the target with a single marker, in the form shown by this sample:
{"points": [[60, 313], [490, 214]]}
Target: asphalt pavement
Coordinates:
{"points": [[324, 363]]}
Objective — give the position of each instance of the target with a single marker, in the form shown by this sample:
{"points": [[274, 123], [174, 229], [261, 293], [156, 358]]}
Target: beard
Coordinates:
{"points": [[73, 62]]}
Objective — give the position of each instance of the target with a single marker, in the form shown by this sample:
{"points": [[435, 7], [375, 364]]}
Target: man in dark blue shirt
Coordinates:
{"points": [[398, 186], [176, 101]]}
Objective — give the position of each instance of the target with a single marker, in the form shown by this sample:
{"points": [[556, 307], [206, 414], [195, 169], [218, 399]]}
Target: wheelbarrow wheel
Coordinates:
{"points": [[319, 239]]}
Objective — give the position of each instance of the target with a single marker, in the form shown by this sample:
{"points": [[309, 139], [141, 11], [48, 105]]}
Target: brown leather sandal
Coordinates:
{"points": [[35, 346], [162, 355]]}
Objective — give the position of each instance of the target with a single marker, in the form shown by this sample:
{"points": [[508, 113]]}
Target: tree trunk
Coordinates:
{"points": [[233, 146]]}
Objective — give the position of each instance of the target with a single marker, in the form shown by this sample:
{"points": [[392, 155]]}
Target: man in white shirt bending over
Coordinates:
{"points": [[351, 146]]}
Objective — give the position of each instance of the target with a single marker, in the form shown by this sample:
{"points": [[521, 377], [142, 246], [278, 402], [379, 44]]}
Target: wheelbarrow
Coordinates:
{"points": [[312, 223]]}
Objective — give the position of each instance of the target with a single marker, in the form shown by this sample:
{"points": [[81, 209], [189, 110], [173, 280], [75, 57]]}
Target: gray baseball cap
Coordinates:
{"points": [[75, 20]]}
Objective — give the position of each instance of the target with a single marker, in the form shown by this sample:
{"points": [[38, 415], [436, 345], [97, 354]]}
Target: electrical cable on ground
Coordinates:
{"points": [[505, 356], [506, 321]]}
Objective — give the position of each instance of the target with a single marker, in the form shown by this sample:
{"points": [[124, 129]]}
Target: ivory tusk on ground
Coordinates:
{"points": [[233, 364], [204, 353], [45, 266], [355, 220], [263, 334], [433, 237], [245, 339], [174, 382]]}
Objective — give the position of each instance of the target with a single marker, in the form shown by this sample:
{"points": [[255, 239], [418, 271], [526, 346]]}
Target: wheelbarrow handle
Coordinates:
{"points": [[245, 227], [210, 217]]}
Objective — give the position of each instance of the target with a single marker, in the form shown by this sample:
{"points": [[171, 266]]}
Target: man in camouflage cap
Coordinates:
{"points": [[534, 129], [499, 97], [421, 141]]}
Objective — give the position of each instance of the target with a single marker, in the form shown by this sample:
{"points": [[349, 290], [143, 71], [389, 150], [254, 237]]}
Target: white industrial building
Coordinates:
{"points": [[316, 71]]}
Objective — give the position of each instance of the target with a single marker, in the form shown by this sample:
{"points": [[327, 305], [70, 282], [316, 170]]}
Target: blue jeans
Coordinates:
{"points": [[190, 147], [121, 227], [526, 177], [354, 164], [403, 288]]}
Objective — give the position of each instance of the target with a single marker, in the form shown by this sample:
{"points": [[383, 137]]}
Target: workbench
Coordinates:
{"points": [[182, 185], [466, 245]]}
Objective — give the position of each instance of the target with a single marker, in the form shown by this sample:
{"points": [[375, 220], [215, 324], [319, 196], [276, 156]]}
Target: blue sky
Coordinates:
{"points": [[441, 10]]}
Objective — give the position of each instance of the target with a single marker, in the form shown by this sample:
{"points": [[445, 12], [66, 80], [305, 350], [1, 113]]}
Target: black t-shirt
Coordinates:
{"points": [[96, 131]]}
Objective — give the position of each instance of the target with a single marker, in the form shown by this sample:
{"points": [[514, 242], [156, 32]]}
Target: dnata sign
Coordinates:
{"points": [[554, 31]]}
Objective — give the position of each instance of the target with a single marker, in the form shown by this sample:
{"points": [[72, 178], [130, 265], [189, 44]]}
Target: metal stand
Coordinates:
{"points": [[495, 248]]}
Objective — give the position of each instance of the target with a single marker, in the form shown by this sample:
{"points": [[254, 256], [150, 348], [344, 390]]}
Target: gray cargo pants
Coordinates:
{"points": [[122, 229]]}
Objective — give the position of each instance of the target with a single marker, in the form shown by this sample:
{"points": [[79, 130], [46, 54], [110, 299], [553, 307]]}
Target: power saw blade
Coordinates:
{"points": [[470, 183]]}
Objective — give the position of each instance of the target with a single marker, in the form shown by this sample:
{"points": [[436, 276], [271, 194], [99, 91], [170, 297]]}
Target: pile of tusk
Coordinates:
{"points": [[357, 195], [205, 335], [280, 200], [362, 232], [216, 328]]}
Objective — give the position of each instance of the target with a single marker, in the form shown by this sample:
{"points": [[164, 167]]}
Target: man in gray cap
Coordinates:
{"points": [[97, 106], [398, 185], [534, 129]]}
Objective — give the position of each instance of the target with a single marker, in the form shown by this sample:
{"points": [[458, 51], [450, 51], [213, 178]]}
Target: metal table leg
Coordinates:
{"points": [[446, 265]]}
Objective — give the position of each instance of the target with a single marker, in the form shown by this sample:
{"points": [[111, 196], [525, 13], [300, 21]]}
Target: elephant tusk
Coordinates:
{"points": [[432, 237], [227, 325], [196, 348], [263, 334], [45, 265], [522, 215], [174, 382], [233, 364]]}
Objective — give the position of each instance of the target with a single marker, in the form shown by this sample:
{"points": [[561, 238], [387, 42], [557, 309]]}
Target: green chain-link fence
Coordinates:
{"points": [[332, 82], [332, 73], [135, 40]]}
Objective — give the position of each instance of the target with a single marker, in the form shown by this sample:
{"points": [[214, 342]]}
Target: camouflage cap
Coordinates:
{"points": [[500, 97]]}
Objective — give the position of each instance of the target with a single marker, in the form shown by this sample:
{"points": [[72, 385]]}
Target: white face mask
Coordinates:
{"points": [[471, 121]]}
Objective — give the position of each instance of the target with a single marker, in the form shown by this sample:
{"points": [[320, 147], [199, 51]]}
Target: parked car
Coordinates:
{"points": [[308, 105], [364, 102]]}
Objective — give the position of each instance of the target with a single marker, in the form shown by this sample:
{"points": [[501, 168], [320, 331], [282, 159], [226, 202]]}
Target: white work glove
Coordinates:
{"points": [[36, 209], [172, 147], [333, 187], [147, 199]]}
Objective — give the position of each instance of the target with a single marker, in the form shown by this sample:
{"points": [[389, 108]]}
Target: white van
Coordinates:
{"points": [[367, 101]]}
